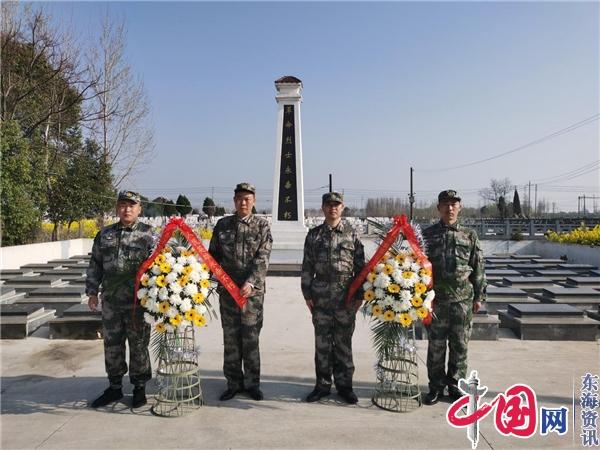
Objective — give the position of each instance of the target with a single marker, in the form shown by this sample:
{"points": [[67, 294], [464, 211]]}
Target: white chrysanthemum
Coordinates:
{"points": [[148, 318], [393, 263], [382, 281], [153, 292], [163, 293], [141, 293], [204, 275], [413, 314], [428, 299], [177, 268], [397, 307], [182, 260], [379, 293], [379, 267], [152, 306], [415, 267], [397, 275], [175, 299], [405, 295], [388, 300], [155, 269], [405, 305], [367, 285], [190, 289], [171, 277], [170, 259], [194, 276], [197, 267], [171, 312], [191, 260], [204, 292], [175, 288], [186, 305], [426, 279], [407, 263], [151, 281], [201, 309], [169, 328]]}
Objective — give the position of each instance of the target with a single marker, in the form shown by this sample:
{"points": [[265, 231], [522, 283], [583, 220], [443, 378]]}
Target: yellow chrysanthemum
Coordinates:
{"points": [[163, 307], [204, 267], [425, 272], [187, 270], [160, 259], [183, 280], [200, 320], [144, 302], [417, 301], [407, 274], [176, 320], [422, 313], [144, 280], [371, 277], [189, 315], [204, 283], [160, 281], [420, 288], [186, 253], [405, 320], [388, 269], [376, 311], [388, 316], [165, 267], [393, 288], [369, 295], [198, 297], [400, 258], [160, 327]]}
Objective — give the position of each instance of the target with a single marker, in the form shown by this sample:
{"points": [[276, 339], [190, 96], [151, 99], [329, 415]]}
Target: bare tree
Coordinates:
{"points": [[497, 189], [121, 111]]}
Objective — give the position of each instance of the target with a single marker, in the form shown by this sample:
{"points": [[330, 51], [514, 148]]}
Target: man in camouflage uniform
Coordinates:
{"points": [[117, 253], [459, 284], [333, 256], [241, 244]]}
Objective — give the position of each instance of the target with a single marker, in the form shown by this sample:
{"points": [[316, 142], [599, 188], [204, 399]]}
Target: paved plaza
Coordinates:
{"points": [[46, 385]]}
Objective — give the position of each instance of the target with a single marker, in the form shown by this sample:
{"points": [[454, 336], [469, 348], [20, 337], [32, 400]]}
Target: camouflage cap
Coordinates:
{"points": [[129, 196], [245, 187], [448, 194], [333, 197]]}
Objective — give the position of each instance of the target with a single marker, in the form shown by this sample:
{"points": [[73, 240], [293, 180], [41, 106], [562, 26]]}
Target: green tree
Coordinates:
{"points": [[22, 197], [208, 207], [502, 207], [184, 207], [517, 205], [169, 208]]}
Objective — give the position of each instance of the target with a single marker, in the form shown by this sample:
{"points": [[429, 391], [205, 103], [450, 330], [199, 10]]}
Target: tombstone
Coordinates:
{"points": [[497, 274], [580, 297], [81, 257], [591, 282], [287, 226], [549, 322], [35, 267], [528, 284], [548, 262], [19, 321], [59, 298], [7, 274], [485, 326], [554, 274], [77, 322], [526, 267], [499, 298], [500, 263], [525, 256]]}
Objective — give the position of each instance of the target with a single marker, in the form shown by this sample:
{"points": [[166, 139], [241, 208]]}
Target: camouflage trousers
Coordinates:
{"points": [[241, 330], [452, 328], [334, 328], [120, 326]]}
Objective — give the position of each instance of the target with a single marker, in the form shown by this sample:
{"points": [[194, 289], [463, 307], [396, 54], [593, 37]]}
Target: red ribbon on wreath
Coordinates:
{"points": [[178, 223], [401, 225]]}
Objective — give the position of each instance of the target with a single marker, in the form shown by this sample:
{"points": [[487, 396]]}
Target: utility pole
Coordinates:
{"points": [[330, 183], [536, 203], [529, 199], [411, 196]]}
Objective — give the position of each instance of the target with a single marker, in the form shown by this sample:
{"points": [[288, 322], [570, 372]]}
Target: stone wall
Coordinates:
{"points": [[19, 255]]}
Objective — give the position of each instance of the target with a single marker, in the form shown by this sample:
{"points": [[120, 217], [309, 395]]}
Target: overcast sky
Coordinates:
{"points": [[386, 86]]}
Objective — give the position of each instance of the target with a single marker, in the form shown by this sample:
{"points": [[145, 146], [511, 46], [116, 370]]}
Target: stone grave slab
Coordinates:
{"points": [[485, 326], [505, 292], [59, 262], [526, 267], [528, 284], [524, 256], [63, 291], [37, 267], [14, 298], [74, 264], [58, 304], [501, 255], [37, 280], [595, 273], [592, 282], [7, 274], [580, 297], [77, 281], [555, 274], [19, 321], [549, 322], [579, 268], [82, 257], [493, 275], [65, 272], [6, 291], [499, 261], [593, 314], [77, 322], [495, 304], [548, 261]]}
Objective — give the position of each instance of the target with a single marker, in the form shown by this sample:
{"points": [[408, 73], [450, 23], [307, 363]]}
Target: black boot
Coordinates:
{"points": [[349, 396], [317, 394], [228, 394], [108, 396], [433, 397], [139, 397]]}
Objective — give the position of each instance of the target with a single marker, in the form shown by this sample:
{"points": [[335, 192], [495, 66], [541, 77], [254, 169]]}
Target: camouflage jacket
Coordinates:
{"points": [[117, 253], [457, 260], [243, 247], [332, 258]]}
